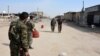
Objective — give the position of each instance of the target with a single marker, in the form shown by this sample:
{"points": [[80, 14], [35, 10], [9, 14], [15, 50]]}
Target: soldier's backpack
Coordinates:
{"points": [[13, 35]]}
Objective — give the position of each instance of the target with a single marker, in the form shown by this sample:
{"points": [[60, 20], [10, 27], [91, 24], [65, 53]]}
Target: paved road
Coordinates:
{"points": [[72, 41]]}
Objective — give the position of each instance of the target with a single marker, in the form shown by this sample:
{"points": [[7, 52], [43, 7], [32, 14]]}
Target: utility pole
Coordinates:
{"points": [[37, 13], [8, 10], [82, 14], [83, 6]]}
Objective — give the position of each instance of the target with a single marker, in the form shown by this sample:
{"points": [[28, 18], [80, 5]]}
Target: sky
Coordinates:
{"points": [[49, 7]]}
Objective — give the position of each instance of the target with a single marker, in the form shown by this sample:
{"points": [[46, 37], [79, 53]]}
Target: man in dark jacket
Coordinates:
{"points": [[59, 20], [53, 23]]}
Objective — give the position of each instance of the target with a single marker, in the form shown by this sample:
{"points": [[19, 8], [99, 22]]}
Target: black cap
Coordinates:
{"points": [[23, 15]]}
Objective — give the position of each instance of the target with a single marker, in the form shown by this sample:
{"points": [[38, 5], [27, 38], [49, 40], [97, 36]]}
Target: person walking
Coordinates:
{"points": [[31, 26], [53, 23], [59, 20], [18, 36]]}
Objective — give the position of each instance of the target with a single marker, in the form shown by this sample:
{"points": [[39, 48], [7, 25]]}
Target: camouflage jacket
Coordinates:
{"points": [[21, 31], [12, 33], [23, 34], [30, 25]]}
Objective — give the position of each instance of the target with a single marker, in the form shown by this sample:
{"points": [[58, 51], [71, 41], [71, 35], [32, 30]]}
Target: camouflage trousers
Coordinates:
{"points": [[15, 50], [30, 39]]}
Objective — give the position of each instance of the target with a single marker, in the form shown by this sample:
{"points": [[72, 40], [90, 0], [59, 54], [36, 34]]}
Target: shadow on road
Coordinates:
{"points": [[83, 29], [6, 44]]}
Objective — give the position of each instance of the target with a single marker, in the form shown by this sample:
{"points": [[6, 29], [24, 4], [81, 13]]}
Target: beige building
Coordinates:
{"points": [[92, 15], [69, 16], [39, 14], [76, 17]]}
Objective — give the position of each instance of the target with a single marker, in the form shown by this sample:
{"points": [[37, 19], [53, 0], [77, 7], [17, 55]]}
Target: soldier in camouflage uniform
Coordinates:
{"points": [[59, 20], [18, 36], [53, 23], [14, 47], [31, 26]]}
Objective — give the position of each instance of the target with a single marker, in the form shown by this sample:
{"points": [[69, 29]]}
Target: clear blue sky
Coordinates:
{"points": [[50, 7]]}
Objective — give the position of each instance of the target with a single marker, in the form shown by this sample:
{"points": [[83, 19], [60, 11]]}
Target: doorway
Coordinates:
{"points": [[90, 19]]}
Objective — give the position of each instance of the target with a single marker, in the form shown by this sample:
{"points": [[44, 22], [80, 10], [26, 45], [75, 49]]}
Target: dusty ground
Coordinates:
{"points": [[72, 41]]}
